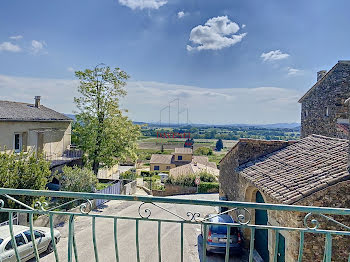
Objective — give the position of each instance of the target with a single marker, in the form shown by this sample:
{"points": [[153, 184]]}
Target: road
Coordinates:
{"points": [[170, 237]]}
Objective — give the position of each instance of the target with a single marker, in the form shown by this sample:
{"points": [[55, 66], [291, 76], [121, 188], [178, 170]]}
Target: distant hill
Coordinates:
{"points": [[295, 126], [71, 116]]}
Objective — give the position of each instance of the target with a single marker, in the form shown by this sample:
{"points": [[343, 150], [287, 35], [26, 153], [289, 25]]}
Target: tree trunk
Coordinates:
{"points": [[95, 166]]}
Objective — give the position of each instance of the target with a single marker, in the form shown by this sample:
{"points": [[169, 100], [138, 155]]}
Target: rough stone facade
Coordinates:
{"points": [[322, 108], [237, 188]]}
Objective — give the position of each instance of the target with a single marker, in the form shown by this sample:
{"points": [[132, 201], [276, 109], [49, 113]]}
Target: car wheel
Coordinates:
{"points": [[207, 253], [50, 247]]}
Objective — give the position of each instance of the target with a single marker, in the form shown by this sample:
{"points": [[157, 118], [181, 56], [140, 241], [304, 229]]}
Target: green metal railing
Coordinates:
{"points": [[243, 220]]}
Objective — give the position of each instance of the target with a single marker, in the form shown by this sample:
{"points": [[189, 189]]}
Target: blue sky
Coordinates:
{"points": [[228, 61]]}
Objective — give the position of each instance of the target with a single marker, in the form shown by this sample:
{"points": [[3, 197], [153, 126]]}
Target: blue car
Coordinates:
{"points": [[217, 235]]}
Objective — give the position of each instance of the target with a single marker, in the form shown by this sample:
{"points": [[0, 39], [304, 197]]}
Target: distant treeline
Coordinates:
{"points": [[229, 133]]}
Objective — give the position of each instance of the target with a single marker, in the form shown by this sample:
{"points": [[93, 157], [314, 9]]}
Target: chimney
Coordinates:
{"points": [[37, 101], [321, 74]]}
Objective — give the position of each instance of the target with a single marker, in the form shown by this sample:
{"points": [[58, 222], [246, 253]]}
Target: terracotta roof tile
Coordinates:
{"points": [[300, 169]]}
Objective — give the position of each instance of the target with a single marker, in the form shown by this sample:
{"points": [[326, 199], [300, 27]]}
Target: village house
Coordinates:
{"points": [[181, 156], [312, 172], [322, 107], [34, 128]]}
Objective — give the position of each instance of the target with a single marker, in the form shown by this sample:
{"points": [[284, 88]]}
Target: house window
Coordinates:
{"points": [[179, 157], [17, 143], [156, 167], [326, 111], [167, 167]]}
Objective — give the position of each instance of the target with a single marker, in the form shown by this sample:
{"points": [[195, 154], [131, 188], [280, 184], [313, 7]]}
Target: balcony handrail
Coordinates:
{"points": [[151, 199], [243, 219]]}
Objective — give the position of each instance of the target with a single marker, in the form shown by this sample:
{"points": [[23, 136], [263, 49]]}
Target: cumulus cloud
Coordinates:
{"points": [[145, 99], [38, 47], [274, 55], [294, 71], [217, 33], [181, 14], [143, 4], [9, 47], [243, 26], [70, 69], [16, 37]]}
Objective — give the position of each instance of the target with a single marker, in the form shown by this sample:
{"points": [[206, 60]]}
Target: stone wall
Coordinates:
{"points": [[244, 151], [172, 190], [237, 188], [330, 92], [338, 196]]}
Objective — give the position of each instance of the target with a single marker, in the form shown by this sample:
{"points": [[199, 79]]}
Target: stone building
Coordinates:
{"points": [[323, 110], [181, 156], [311, 172]]}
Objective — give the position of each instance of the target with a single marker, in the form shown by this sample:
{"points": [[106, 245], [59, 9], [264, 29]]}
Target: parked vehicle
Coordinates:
{"points": [[217, 235], [24, 242]]}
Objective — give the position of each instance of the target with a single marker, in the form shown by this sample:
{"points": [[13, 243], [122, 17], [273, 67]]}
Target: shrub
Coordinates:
{"points": [[24, 171], [128, 175], [203, 150], [78, 179], [189, 180], [208, 187]]}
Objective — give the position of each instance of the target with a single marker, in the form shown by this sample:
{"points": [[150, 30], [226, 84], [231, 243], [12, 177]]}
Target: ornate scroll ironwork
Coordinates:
{"points": [[316, 223], [146, 213]]}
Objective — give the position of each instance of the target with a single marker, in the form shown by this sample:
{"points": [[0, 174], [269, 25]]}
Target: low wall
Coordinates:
{"points": [[172, 190], [129, 188]]}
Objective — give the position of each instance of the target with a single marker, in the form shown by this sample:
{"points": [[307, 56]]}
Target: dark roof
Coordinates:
{"points": [[15, 111], [322, 79], [161, 159], [298, 170]]}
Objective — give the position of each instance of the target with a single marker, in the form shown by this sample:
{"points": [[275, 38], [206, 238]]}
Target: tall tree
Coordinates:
{"points": [[101, 130], [219, 145]]}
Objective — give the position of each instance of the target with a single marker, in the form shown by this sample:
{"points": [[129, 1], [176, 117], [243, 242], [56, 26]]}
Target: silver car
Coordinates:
{"points": [[24, 242]]}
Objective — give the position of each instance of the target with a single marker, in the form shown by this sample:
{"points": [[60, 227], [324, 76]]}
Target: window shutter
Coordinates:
{"points": [[24, 141]]}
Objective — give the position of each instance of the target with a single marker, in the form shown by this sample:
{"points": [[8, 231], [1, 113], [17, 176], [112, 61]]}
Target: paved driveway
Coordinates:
{"points": [[147, 235]]}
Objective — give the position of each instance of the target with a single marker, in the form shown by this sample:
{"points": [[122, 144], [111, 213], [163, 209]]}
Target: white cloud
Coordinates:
{"points": [[274, 55], [71, 69], [243, 26], [38, 47], [181, 14], [16, 37], [217, 33], [143, 4], [9, 47], [294, 71]]}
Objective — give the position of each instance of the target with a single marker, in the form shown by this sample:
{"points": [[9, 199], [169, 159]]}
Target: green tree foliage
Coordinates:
{"points": [[219, 145], [101, 129], [128, 175], [78, 179], [203, 151], [23, 171]]}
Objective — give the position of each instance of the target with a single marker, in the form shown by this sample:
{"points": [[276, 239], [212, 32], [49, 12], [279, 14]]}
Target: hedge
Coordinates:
{"points": [[208, 187], [189, 180]]}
